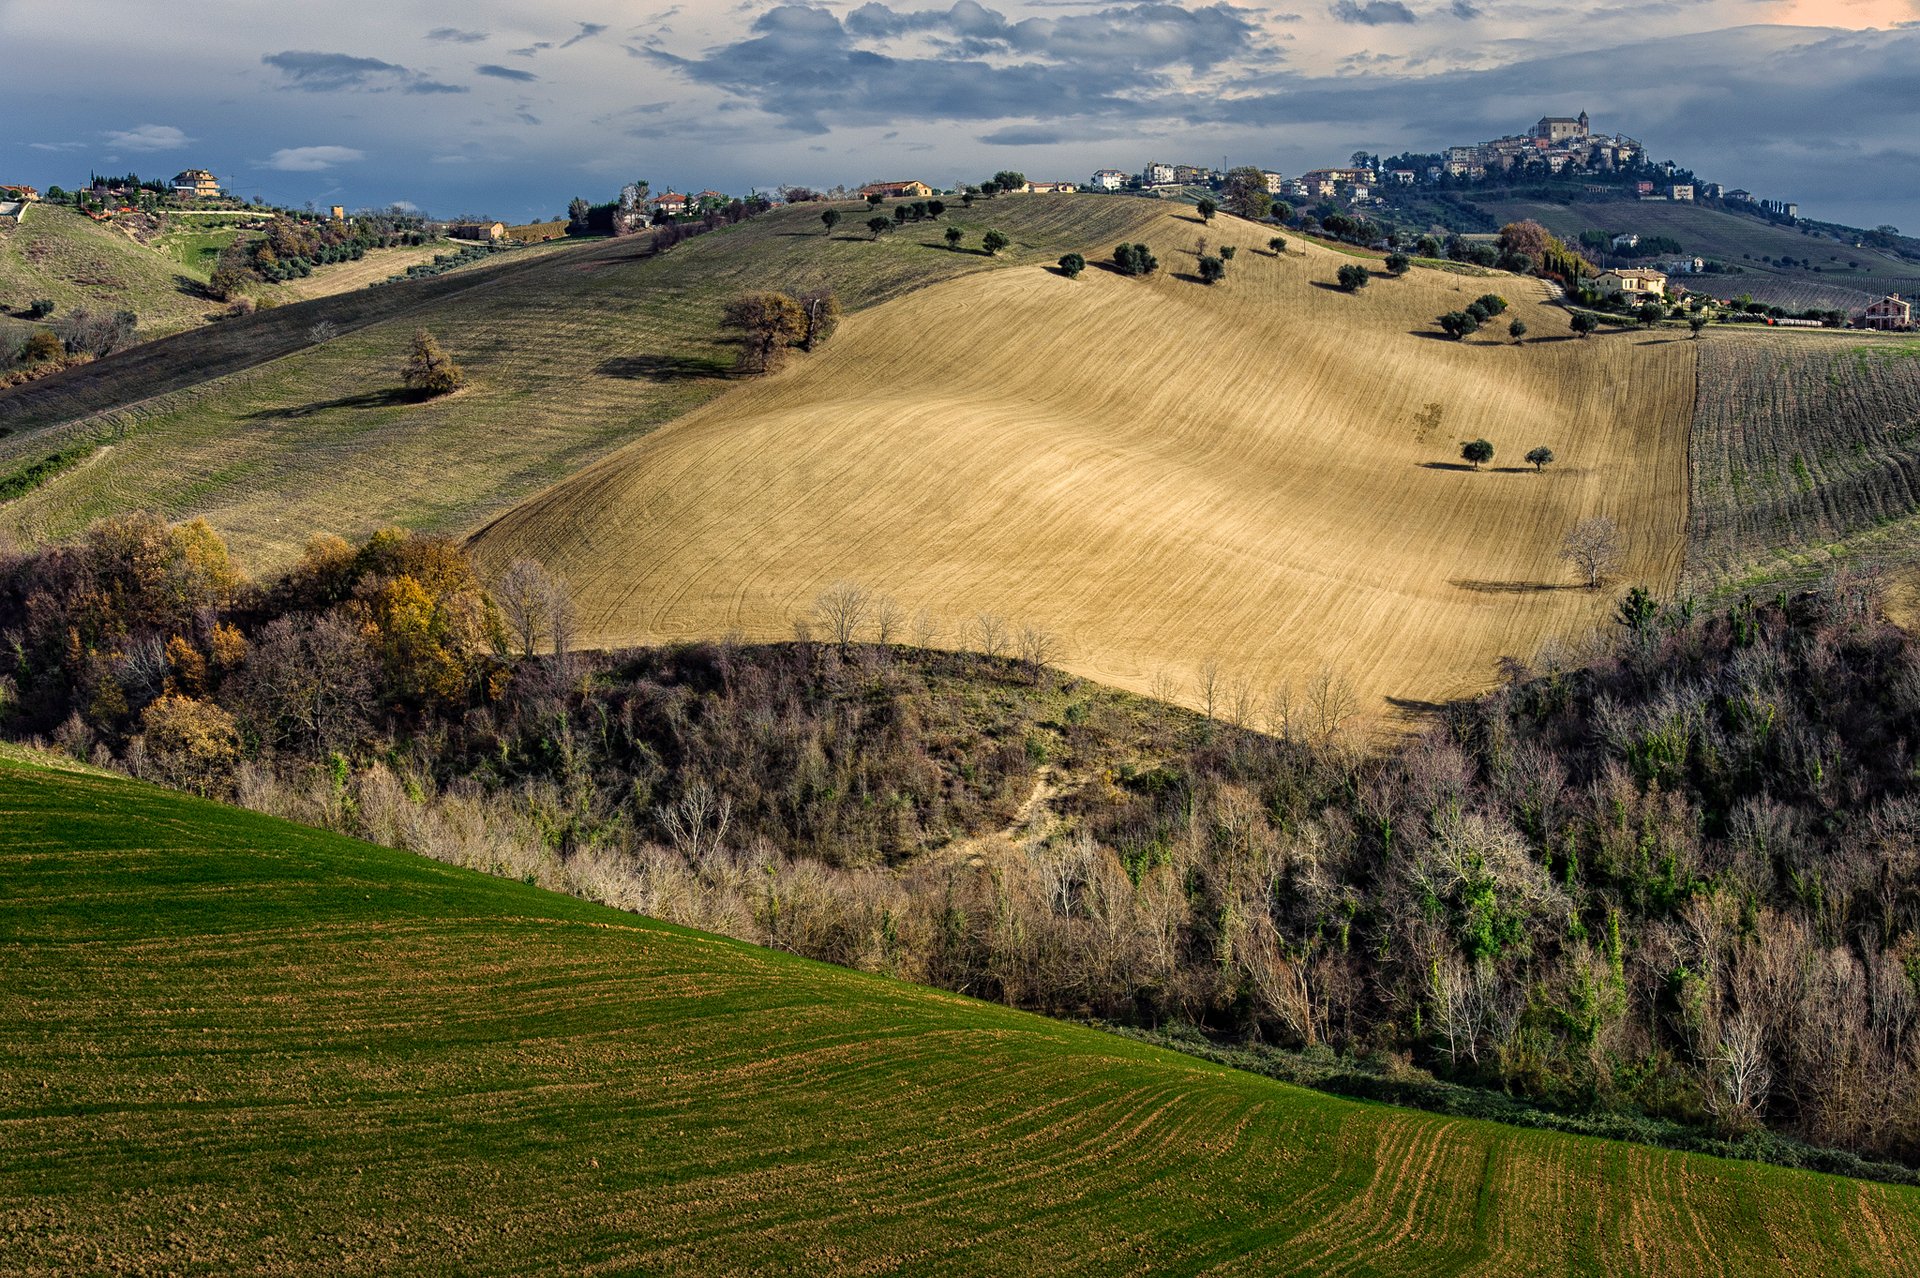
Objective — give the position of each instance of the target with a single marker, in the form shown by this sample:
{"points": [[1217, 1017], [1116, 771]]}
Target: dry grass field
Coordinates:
{"points": [[1806, 448], [572, 350], [1261, 477], [233, 1045]]}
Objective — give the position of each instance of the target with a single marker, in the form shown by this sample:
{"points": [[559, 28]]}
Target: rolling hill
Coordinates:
{"points": [[572, 350], [1259, 478], [1847, 277], [77, 263], [229, 1044]]}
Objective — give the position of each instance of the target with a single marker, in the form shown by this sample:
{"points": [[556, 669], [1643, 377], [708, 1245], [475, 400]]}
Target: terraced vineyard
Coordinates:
{"points": [[572, 350], [1804, 447], [233, 1045], [1260, 478]]}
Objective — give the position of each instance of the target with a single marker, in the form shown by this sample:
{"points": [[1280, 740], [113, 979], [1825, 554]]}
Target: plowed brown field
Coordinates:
{"points": [[1260, 476]]}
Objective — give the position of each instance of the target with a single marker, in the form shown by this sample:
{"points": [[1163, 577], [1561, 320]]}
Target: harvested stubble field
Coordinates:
{"points": [[571, 350], [233, 1045], [1261, 476], [1804, 447]]}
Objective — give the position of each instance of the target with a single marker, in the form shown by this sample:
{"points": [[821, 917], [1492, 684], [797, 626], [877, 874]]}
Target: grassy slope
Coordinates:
{"points": [[1715, 233], [586, 350], [232, 1045], [1804, 446], [1162, 474], [76, 262]]}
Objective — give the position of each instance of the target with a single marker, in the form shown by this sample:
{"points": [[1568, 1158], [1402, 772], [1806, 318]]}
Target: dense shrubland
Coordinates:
{"points": [[1676, 873]]}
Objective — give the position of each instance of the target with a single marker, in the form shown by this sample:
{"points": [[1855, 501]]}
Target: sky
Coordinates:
{"points": [[510, 109]]}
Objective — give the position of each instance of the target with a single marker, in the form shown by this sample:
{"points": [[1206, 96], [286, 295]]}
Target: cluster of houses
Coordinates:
{"points": [[1557, 143]]}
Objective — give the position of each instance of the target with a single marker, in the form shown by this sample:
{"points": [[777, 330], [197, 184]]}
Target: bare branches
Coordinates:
{"points": [[1593, 547], [842, 609]]}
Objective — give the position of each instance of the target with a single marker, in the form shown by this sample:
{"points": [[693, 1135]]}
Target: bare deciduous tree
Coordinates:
{"points": [[698, 823], [990, 629], [843, 608], [1037, 647], [889, 619], [1206, 686], [1593, 547], [522, 593], [926, 629], [1330, 703]]}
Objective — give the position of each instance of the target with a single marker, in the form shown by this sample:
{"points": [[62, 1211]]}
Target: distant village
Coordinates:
{"points": [[1563, 151]]}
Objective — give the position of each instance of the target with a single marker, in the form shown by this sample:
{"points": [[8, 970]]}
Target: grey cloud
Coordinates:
{"points": [[809, 68], [1372, 13], [505, 73], [1131, 35], [531, 49], [1465, 10], [317, 72], [588, 30], [454, 35], [1024, 135]]}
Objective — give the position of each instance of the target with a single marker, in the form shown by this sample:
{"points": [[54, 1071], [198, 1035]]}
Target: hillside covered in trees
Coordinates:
{"points": [[1677, 876]]}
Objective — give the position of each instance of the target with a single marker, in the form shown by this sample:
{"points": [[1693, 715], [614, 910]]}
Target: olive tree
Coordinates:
{"points": [[1477, 451]]}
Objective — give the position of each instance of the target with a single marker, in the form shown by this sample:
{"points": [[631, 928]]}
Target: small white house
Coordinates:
{"points": [[1108, 180]]}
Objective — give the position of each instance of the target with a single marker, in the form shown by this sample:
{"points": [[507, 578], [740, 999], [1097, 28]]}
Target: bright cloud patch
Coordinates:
{"points": [[148, 137], [312, 159]]}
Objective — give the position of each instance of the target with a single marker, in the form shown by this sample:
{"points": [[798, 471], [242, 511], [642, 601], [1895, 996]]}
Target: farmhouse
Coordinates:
{"points": [[23, 194], [1631, 281], [908, 190], [1051, 188], [1158, 174], [1109, 180], [196, 184], [1680, 191], [1891, 312], [477, 230], [672, 204]]}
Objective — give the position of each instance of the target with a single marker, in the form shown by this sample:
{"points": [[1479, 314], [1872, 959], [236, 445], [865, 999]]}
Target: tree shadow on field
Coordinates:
{"points": [[1191, 217], [1480, 587], [964, 252], [1471, 470], [388, 398], [663, 368], [1415, 708], [1431, 335], [1331, 288]]}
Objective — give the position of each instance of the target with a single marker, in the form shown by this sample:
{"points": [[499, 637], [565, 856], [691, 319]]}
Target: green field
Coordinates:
{"points": [[232, 1045], [589, 348], [1737, 240]]}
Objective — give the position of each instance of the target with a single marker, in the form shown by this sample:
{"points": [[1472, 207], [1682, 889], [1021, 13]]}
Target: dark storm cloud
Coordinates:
{"points": [[317, 72], [505, 73], [1373, 13]]}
